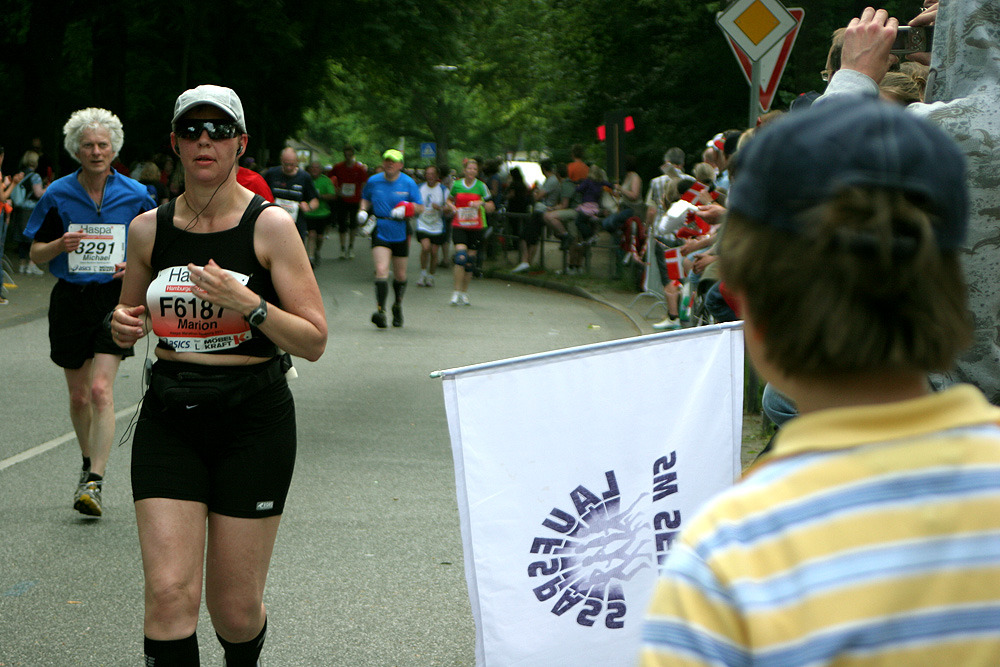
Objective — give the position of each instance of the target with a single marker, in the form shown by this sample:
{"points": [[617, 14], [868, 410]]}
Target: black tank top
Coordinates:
{"points": [[231, 249]]}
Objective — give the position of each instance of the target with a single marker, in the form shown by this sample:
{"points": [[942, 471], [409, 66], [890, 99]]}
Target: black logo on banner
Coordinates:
{"points": [[589, 554]]}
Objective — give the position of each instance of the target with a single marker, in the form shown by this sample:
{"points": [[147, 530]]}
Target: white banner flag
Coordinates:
{"points": [[575, 470]]}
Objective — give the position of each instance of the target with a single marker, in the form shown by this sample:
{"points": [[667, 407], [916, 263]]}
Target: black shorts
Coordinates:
{"points": [[436, 239], [531, 228], [317, 223], [470, 238], [398, 248], [345, 215], [76, 322], [237, 460]]}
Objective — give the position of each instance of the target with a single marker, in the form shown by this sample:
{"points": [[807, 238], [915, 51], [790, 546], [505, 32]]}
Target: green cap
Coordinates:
{"points": [[392, 154]]}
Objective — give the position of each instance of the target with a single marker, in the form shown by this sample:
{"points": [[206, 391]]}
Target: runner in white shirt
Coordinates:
{"points": [[430, 225]]}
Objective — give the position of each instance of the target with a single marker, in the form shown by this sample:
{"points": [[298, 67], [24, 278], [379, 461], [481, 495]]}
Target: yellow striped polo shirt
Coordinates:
{"points": [[869, 536]]}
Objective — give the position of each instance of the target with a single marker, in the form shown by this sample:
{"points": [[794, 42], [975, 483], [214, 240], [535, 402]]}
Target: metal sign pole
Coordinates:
{"points": [[754, 93]]}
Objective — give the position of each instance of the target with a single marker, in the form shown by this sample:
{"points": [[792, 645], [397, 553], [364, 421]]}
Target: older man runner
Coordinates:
{"points": [[79, 227]]}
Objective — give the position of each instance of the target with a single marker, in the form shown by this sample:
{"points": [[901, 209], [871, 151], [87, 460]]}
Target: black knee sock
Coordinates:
{"points": [[173, 653], [381, 292], [399, 289], [244, 654]]}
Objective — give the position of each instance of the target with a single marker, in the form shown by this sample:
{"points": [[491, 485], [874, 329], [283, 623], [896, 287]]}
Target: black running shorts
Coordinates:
{"points": [[436, 239], [317, 223], [399, 248], [76, 322], [345, 215], [470, 238], [236, 460]]}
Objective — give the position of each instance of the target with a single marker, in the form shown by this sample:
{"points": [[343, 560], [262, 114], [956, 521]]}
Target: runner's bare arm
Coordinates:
{"points": [[297, 324], [128, 322]]}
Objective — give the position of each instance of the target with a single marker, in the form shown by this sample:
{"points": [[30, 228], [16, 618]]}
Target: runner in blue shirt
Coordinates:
{"points": [[390, 198], [79, 227]]}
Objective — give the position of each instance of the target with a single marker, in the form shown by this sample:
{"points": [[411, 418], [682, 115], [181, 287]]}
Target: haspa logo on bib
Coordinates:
{"points": [[589, 553]]}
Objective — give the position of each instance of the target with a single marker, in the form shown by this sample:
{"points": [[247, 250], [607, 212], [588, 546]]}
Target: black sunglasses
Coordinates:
{"points": [[217, 129]]}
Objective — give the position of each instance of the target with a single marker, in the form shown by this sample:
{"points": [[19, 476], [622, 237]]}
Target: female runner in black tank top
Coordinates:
{"points": [[222, 283]]}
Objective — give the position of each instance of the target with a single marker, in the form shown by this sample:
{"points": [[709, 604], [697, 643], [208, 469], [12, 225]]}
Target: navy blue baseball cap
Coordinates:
{"points": [[808, 158]]}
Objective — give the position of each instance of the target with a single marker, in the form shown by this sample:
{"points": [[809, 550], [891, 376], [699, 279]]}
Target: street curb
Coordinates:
{"points": [[499, 274]]}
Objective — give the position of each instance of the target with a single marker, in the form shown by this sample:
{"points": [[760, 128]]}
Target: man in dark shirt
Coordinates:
{"points": [[293, 189]]}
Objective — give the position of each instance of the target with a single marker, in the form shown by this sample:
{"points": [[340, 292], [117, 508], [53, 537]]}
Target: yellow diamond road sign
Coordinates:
{"points": [[756, 25]]}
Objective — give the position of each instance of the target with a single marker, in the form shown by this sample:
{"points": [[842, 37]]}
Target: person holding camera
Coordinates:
{"points": [[222, 278], [961, 99]]}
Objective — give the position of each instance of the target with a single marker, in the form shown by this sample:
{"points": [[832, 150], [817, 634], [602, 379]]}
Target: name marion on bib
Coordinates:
{"points": [[186, 323]]}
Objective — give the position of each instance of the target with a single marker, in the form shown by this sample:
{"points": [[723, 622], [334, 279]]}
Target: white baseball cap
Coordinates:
{"points": [[220, 97]]}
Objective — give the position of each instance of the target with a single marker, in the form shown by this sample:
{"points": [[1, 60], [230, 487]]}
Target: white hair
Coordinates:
{"points": [[92, 118]]}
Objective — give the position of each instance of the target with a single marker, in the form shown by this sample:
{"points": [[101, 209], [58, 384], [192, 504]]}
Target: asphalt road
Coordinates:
{"points": [[368, 568]]}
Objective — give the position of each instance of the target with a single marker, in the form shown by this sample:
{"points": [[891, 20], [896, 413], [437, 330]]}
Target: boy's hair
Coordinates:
{"points": [[864, 286]]}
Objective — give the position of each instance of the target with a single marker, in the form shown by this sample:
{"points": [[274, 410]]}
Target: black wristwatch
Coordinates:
{"points": [[258, 314]]}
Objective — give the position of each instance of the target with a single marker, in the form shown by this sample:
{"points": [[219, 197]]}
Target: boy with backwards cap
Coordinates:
{"points": [[870, 534]]}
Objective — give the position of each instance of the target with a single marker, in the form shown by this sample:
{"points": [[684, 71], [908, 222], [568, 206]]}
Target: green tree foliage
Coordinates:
{"points": [[542, 74], [537, 75], [135, 58]]}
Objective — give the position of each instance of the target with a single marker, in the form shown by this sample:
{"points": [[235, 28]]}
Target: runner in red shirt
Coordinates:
{"points": [[350, 177]]}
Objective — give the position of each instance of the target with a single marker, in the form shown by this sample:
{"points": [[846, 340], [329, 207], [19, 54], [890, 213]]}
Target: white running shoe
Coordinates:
{"points": [[668, 324], [465, 298], [422, 282], [523, 266], [429, 280], [455, 299], [34, 270]]}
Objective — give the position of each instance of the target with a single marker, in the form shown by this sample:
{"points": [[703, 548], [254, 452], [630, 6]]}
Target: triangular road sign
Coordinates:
{"points": [[772, 63]]}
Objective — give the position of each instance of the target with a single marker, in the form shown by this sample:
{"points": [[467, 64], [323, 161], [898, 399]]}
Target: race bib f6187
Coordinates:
{"points": [[187, 323]]}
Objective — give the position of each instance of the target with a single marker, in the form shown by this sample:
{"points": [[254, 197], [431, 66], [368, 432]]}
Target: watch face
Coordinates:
{"points": [[258, 315]]}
